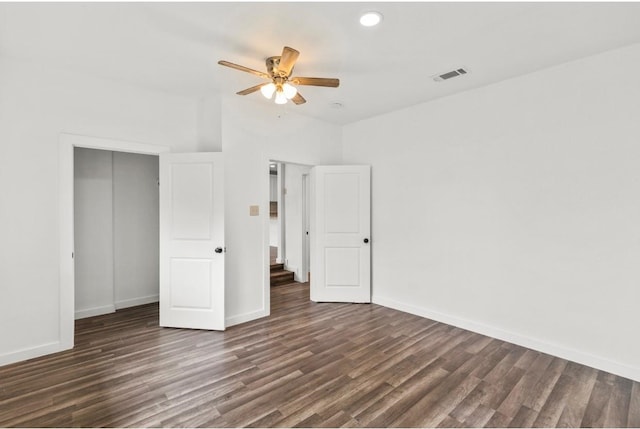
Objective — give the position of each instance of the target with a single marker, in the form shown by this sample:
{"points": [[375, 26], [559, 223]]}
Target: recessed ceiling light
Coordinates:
{"points": [[371, 19]]}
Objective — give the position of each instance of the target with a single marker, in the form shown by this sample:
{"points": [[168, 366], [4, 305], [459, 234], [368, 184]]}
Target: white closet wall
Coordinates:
{"points": [[136, 229], [93, 219]]}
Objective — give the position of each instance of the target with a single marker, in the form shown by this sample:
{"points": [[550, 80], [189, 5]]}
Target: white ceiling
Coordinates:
{"points": [[174, 47]]}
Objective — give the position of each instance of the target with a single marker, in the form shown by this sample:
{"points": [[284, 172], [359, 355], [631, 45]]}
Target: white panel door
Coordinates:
{"points": [[340, 233], [192, 241]]}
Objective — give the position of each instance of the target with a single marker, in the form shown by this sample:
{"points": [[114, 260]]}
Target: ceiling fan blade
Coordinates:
{"points": [[298, 99], [252, 89], [244, 69], [316, 81], [287, 60]]}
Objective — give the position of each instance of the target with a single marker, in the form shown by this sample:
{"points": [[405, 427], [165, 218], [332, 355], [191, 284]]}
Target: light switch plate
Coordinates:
{"points": [[254, 210]]}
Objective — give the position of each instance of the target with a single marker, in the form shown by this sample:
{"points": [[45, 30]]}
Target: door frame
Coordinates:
{"points": [[282, 233], [306, 224], [67, 143], [266, 288]]}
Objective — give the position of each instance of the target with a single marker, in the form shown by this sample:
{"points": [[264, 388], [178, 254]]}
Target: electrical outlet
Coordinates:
{"points": [[254, 210]]}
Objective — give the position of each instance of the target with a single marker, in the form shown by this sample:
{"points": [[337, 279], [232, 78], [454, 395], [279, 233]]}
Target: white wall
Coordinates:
{"points": [[273, 187], [37, 104], [273, 231], [94, 232], [294, 239], [136, 229], [514, 209], [253, 132], [209, 126]]}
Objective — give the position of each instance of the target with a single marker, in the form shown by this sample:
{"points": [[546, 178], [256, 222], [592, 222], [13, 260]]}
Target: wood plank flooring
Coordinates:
{"points": [[308, 365]]}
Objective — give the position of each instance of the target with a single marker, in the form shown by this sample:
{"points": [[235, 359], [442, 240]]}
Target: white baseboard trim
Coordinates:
{"points": [[32, 352], [246, 317], [95, 311], [563, 352], [126, 303]]}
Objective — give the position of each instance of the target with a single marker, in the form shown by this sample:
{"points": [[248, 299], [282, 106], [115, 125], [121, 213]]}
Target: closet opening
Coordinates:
{"points": [[115, 230]]}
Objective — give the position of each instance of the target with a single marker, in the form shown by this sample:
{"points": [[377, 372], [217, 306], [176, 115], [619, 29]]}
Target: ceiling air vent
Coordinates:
{"points": [[451, 74]]}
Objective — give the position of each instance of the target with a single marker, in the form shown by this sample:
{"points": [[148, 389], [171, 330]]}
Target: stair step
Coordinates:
{"points": [[281, 282], [281, 274], [276, 267], [281, 277]]}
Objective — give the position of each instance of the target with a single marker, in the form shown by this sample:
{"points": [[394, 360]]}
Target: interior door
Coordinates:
{"points": [[192, 241], [340, 233]]}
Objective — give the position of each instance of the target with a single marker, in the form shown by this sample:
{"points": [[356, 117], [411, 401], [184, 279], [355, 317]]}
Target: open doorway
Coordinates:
{"points": [[116, 228], [276, 213], [288, 223], [68, 142]]}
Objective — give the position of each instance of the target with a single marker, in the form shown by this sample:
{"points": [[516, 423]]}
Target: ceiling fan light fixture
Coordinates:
{"points": [[268, 90], [289, 90], [370, 19], [279, 79], [280, 97]]}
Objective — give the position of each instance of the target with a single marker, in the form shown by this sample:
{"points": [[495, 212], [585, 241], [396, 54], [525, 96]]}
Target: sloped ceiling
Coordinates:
{"points": [[174, 47]]}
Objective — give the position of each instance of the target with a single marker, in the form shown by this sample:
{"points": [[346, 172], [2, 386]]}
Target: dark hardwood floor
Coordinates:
{"points": [[307, 365]]}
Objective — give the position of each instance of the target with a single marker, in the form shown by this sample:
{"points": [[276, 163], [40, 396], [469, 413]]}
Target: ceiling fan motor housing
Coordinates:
{"points": [[272, 64]]}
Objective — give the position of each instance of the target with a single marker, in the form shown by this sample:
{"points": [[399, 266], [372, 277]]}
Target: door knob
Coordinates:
{"points": [[218, 250], [366, 240]]}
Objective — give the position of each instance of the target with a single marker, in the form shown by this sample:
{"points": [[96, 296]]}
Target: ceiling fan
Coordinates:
{"points": [[279, 76]]}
